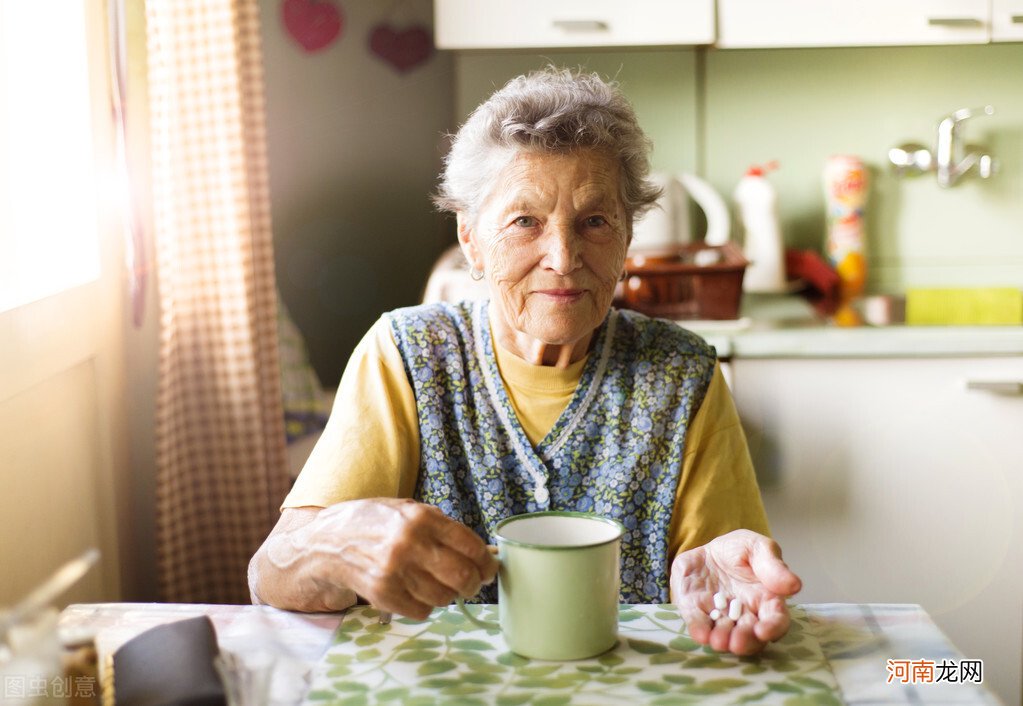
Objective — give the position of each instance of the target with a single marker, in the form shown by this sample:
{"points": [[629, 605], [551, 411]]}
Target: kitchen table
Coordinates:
{"points": [[835, 653]]}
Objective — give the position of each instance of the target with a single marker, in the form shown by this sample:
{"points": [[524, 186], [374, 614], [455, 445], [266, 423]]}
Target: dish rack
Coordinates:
{"points": [[685, 282]]}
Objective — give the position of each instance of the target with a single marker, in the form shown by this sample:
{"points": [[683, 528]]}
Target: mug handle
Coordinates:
{"points": [[487, 624]]}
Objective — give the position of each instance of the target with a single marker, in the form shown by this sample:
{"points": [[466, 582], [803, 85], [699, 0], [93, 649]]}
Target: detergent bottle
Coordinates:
{"points": [[762, 239]]}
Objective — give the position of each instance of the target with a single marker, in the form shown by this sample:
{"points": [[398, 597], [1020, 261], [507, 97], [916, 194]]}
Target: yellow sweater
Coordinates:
{"points": [[370, 447]]}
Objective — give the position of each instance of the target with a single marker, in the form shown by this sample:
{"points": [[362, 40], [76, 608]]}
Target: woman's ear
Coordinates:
{"points": [[467, 241]]}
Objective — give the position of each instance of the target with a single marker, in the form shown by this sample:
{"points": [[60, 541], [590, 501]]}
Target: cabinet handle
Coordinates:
{"points": [[582, 25], [961, 22], [998, 387], [1017, 19]]}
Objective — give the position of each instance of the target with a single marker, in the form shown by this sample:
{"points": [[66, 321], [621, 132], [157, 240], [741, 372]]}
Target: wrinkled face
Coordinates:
{"points": [[551, 238]]}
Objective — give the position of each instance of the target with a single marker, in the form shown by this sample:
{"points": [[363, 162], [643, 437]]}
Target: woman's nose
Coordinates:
{"points": [[562, 254]]}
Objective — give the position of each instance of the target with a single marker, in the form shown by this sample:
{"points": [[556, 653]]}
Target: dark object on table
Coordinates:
{"points": [[693, 281], [169, 665]]}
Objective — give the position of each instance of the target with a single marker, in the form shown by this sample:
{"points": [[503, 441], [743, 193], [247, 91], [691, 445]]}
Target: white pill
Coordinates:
{"points": [[735, 609], [720, 600], [715, 614]]}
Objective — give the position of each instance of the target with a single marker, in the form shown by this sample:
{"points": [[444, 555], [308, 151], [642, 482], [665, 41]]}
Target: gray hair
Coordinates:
{"points": [[548, 111]]}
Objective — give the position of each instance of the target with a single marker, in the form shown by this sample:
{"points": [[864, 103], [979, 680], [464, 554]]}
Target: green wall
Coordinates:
{"points": [[717, 111], [660, 85]]}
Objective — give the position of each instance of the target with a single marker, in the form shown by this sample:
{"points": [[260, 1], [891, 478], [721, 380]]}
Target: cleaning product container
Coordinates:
{"points": [[845, 195], [757, 202]]}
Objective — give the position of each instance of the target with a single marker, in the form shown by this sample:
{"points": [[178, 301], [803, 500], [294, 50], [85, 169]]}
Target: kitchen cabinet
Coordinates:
{"points": [[828, 23], [1007, 20], [899, 480], [497, 24], [728, 24]]}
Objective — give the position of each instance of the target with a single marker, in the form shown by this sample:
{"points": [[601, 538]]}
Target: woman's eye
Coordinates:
{"points": [[596, 221], [525, 221]]}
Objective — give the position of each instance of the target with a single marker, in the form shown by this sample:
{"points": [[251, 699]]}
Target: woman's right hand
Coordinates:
{"points": [[400, 555]]}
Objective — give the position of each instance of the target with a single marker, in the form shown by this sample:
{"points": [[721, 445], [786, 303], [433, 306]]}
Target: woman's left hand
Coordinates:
{"points": [[741, 564]]}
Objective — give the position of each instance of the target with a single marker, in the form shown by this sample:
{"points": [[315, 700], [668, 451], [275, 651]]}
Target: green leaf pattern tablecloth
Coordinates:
{"points": [[449, 660]]}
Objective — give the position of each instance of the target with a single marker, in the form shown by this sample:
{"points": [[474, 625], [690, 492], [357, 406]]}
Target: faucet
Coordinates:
{"points": [[912, 158]]}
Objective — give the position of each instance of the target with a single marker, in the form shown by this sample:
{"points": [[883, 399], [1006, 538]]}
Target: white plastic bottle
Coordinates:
{"points": [[762, 240]]}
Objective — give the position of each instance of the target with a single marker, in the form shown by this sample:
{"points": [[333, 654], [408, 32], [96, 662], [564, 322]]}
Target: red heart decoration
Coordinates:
{"points": [[403, 50], [314, 23]]}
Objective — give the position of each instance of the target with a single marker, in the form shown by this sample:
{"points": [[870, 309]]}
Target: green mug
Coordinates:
{"points": [[558, 584]]}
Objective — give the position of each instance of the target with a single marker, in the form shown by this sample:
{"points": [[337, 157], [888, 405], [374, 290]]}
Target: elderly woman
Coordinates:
{"points": [[452, 417]]}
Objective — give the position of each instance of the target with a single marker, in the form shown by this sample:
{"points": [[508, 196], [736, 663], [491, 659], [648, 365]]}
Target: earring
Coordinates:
{"points": [[476, 275]]}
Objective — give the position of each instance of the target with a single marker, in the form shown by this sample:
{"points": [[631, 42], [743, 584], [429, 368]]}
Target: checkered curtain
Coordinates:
{"points": [[221, 466]]}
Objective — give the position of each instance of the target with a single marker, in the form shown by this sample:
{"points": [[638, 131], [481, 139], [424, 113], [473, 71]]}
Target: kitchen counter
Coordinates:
{"points": [[787, 326]]}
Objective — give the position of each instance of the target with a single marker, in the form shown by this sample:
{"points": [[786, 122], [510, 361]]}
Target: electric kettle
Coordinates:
{"points": [[667, 224]]}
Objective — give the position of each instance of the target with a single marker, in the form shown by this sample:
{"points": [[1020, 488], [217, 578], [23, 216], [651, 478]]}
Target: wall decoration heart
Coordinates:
{"points": [[315, 24], [404, 49]]}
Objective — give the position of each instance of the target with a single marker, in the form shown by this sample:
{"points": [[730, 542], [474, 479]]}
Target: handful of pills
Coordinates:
{"points": [[721, 602]]}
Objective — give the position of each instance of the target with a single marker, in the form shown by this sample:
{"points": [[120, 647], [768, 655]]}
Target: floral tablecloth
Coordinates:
{"points": [[835, 653], [448, 659]]}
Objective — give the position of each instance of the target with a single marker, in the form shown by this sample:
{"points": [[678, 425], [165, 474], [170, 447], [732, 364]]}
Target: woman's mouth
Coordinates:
{"points": [[562, 294]]}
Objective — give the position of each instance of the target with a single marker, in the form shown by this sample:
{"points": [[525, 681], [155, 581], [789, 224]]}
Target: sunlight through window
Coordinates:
{"points": [[49, 231]]}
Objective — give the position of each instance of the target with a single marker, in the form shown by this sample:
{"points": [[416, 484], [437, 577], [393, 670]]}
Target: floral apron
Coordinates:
{"points": [[616, 450]]}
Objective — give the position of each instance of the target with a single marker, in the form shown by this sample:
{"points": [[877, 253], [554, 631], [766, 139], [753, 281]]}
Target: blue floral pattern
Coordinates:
{"points": [[616, 450]]}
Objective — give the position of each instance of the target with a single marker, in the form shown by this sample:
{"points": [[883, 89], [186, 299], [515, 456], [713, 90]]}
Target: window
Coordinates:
{"points": [[49, 229]]}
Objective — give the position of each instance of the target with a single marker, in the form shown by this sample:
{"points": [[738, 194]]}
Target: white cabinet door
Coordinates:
{"points": [[824, 23], [890, 481], [499, 24], [1007, 20]]}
